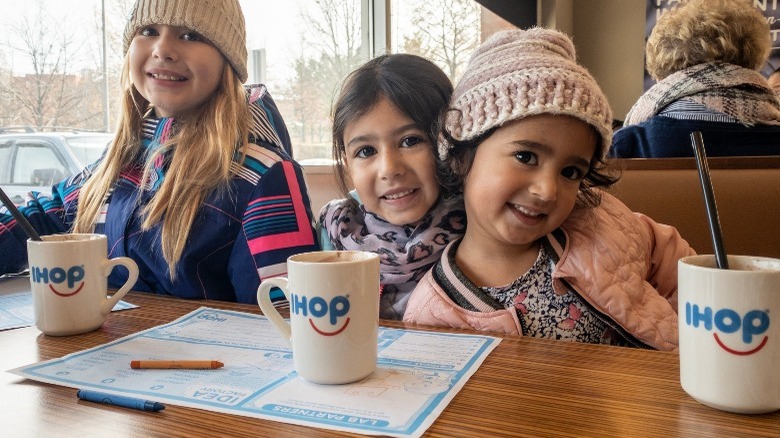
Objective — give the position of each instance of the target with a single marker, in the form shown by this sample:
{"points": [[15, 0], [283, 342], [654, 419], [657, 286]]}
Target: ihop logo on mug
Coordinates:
{"points": [[752, 325], [68, 281], [326, 318]]}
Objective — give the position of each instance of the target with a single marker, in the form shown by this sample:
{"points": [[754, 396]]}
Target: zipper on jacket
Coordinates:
{"points": [[631, 339]]}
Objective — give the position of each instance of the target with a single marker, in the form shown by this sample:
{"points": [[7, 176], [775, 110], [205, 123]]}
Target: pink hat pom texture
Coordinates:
{"points": [[520, 73]]}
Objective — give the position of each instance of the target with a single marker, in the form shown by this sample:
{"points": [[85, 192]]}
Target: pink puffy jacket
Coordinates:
{"points": [[623, 263]]}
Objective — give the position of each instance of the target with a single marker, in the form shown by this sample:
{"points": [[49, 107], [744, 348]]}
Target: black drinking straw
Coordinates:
{"points": [[709, 199], [19, 216]]}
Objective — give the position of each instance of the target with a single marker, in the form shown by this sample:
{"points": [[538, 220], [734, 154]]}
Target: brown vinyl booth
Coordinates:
{"points": [[747, 195]]}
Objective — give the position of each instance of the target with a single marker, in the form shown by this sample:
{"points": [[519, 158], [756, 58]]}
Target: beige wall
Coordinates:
{"points": [[322, 185], [610, 39]]}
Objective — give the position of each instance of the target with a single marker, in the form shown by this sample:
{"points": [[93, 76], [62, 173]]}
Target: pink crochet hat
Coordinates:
{"points": [[520, 73]]}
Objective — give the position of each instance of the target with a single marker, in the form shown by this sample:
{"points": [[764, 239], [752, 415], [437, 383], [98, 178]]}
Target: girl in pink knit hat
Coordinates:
{"points": [[545, 253]]}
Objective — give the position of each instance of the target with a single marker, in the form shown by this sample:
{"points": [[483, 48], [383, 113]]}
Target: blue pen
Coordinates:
{"points": [[119, 400]]}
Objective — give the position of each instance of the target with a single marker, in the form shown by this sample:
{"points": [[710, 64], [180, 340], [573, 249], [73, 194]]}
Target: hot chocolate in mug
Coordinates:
{"points": [[69, 282], [729, 327], [334, 314]]}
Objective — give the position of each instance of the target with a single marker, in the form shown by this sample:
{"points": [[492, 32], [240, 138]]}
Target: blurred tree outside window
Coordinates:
{"points": [[444, 31]]}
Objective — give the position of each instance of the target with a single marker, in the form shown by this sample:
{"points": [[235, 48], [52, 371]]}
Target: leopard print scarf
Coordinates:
{"points": [[406, 252]]}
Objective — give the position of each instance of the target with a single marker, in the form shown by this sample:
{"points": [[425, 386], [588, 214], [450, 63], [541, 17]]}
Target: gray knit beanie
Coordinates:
{"points": [[519, 73], [221, 21]]}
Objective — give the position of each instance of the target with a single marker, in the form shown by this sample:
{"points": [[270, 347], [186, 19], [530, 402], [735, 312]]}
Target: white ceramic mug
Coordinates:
{"points": [[729, 321], [69, 281], [334, 314]]}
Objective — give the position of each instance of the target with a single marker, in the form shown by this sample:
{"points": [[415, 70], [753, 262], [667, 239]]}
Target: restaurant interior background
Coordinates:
{"points": [[290, 52]]}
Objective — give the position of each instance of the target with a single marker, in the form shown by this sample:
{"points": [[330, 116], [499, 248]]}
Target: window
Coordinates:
{"points": [[302, 49], [37, 164], [5, 162], [304, 64], [88, 149]]}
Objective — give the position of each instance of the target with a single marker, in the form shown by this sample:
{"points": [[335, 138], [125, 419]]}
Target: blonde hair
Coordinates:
{"points": [[701, 31], [209, 137]]}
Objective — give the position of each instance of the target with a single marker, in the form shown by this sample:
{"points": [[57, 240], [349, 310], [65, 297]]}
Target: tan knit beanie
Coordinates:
{"points": [[519, 73], [221, 21]]}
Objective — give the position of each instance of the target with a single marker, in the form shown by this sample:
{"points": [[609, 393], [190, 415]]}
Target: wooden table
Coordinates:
{"points": [[526, 387]]}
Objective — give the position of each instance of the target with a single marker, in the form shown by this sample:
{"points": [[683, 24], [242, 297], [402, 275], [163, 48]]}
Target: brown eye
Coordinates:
{"points": [[148, 31], [411, 141], [365, 152], [527, 157], [192, 36], [573, 173]]}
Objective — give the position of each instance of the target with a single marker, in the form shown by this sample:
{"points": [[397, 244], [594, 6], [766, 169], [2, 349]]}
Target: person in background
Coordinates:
{"points": [[546, 253], [198, 186], [705, 55], [774, 81], [384, 145]]}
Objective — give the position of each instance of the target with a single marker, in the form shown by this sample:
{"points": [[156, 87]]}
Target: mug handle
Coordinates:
{"points": [[264, 301], [108, 266]]}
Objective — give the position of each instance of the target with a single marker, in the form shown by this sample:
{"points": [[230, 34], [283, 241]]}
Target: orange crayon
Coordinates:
{"points": [[176, 364]]}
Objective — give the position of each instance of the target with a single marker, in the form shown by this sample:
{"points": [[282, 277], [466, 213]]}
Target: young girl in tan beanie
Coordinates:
{"points": [[198, 186], [545, 254]]}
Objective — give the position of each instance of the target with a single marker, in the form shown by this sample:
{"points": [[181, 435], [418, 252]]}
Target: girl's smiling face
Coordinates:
{"points": [[525, 178], [391, 164], [175, 68]]}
